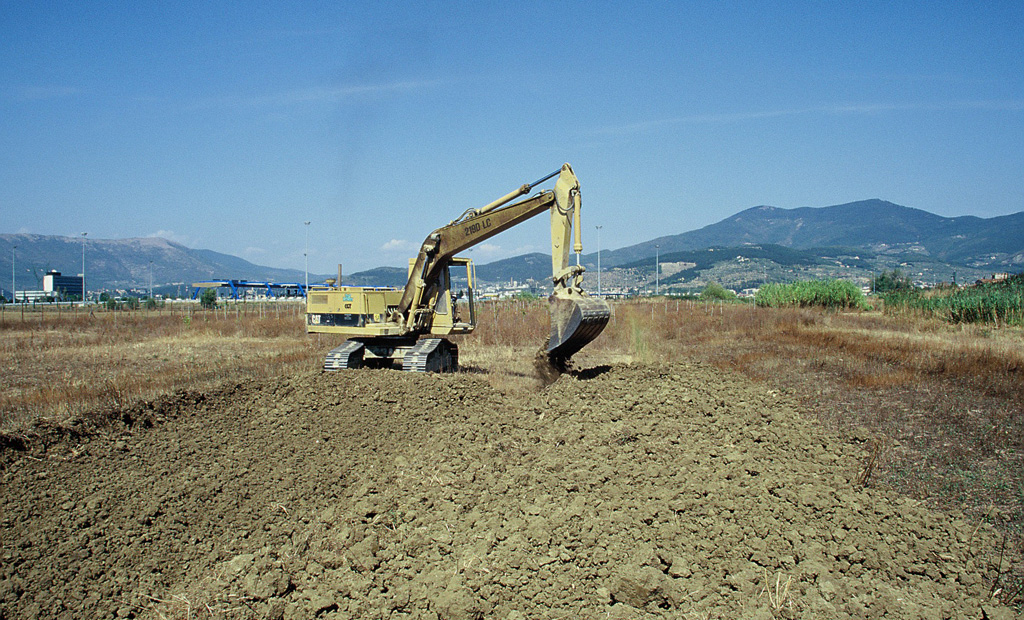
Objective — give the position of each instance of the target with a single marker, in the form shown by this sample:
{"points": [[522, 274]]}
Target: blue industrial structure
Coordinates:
{"points": [[239, 288]]}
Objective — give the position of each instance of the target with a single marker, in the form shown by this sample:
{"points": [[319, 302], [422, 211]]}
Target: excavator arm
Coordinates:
{"points": [[472, 228], [385, 325], [576, 318]]}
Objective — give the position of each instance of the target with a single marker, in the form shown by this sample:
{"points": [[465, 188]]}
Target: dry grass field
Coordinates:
{"points": [[935, 408], [59, 366]]}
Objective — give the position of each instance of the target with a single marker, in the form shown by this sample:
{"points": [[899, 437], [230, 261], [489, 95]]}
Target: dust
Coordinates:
{"points": [[627, 492]]}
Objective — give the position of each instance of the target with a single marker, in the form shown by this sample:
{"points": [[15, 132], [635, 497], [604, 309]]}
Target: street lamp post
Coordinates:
{"points": [[657, 270], [151, 279], [598, 260], [305, 255], [14, 280], [83, 267]]}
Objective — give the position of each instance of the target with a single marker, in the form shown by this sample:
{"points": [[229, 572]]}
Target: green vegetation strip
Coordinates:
{"points": [[832, 294], [999, 302]]}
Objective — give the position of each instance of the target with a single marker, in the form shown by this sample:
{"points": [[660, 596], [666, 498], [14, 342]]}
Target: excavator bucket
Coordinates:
{"points": [[575, 321]]}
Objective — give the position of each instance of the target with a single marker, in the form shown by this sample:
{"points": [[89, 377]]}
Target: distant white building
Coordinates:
{"points": [[30, 296]]}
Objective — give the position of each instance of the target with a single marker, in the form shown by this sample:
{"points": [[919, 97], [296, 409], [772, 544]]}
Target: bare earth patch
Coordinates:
{"points": [[703, 461], [636, 491]]}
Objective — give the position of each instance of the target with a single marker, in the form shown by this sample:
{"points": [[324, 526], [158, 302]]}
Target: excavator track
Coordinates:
{"points": [[348, 355], [432, 355]]}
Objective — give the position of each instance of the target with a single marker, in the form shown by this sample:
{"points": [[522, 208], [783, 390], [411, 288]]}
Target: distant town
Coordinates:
{"points": [[56, 287]]}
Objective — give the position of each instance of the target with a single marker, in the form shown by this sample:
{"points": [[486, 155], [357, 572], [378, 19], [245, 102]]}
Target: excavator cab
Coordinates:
{"points": [[448, 315]]}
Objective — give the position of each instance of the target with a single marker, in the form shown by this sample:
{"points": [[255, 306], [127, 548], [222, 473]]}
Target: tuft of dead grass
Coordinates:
{"points": [[778, 594]]}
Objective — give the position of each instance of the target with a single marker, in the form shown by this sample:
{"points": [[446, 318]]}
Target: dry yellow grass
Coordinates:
{"points": [[59, 366]]}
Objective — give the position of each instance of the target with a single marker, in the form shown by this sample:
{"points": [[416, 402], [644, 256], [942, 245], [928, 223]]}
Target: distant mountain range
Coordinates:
{"points": [[126, 264], [848, 240], [853, 240], [869, 224]]}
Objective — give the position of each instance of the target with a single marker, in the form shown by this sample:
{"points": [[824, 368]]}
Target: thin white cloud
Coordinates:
{"points": [[170, 235], [487, 250], [39, 93], [939, 78], [529, 249], [1005, 105], [332, 94], [399, 245], [860, 108], [338, 93]]}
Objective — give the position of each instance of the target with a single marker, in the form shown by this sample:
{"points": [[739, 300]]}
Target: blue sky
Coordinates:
{"points": [[225, 126]]}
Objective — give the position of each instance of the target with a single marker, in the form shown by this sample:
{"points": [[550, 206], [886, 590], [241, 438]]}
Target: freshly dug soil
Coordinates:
{"points": [[620, 492]]}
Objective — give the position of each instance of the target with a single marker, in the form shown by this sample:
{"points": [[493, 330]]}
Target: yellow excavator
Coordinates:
{"points": [[386, 326]]}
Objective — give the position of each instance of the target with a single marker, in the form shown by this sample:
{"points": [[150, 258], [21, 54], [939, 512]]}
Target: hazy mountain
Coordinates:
{"points": [[853, 241], [534, 266], [519, 268], [859, 236], [127, 263], [380, 276], [871, 224], [702, 259]]}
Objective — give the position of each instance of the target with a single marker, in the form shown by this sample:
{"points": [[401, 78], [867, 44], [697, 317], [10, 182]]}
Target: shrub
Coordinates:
{"points": [[715, 291], [526, 296], [208, 299], [889, 281]]}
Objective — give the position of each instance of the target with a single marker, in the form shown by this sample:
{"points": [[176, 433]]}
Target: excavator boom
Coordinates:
{"points": [[401, 318]]}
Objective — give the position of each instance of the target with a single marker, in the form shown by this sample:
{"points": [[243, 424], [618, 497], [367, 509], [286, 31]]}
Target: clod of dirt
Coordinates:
{"points": [[547, 371], [643, 492], [550, 367], [458, 602], [643, 586]]}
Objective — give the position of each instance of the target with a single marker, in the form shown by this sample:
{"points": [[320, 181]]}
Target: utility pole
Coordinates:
{"points": [[305, 255], [151, 279], [14, 280], [598, 260], [657, 270], [83, 268]]}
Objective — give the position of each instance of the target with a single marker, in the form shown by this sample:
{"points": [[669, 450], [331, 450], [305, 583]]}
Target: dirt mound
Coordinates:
{"points": [[623, 492]]}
